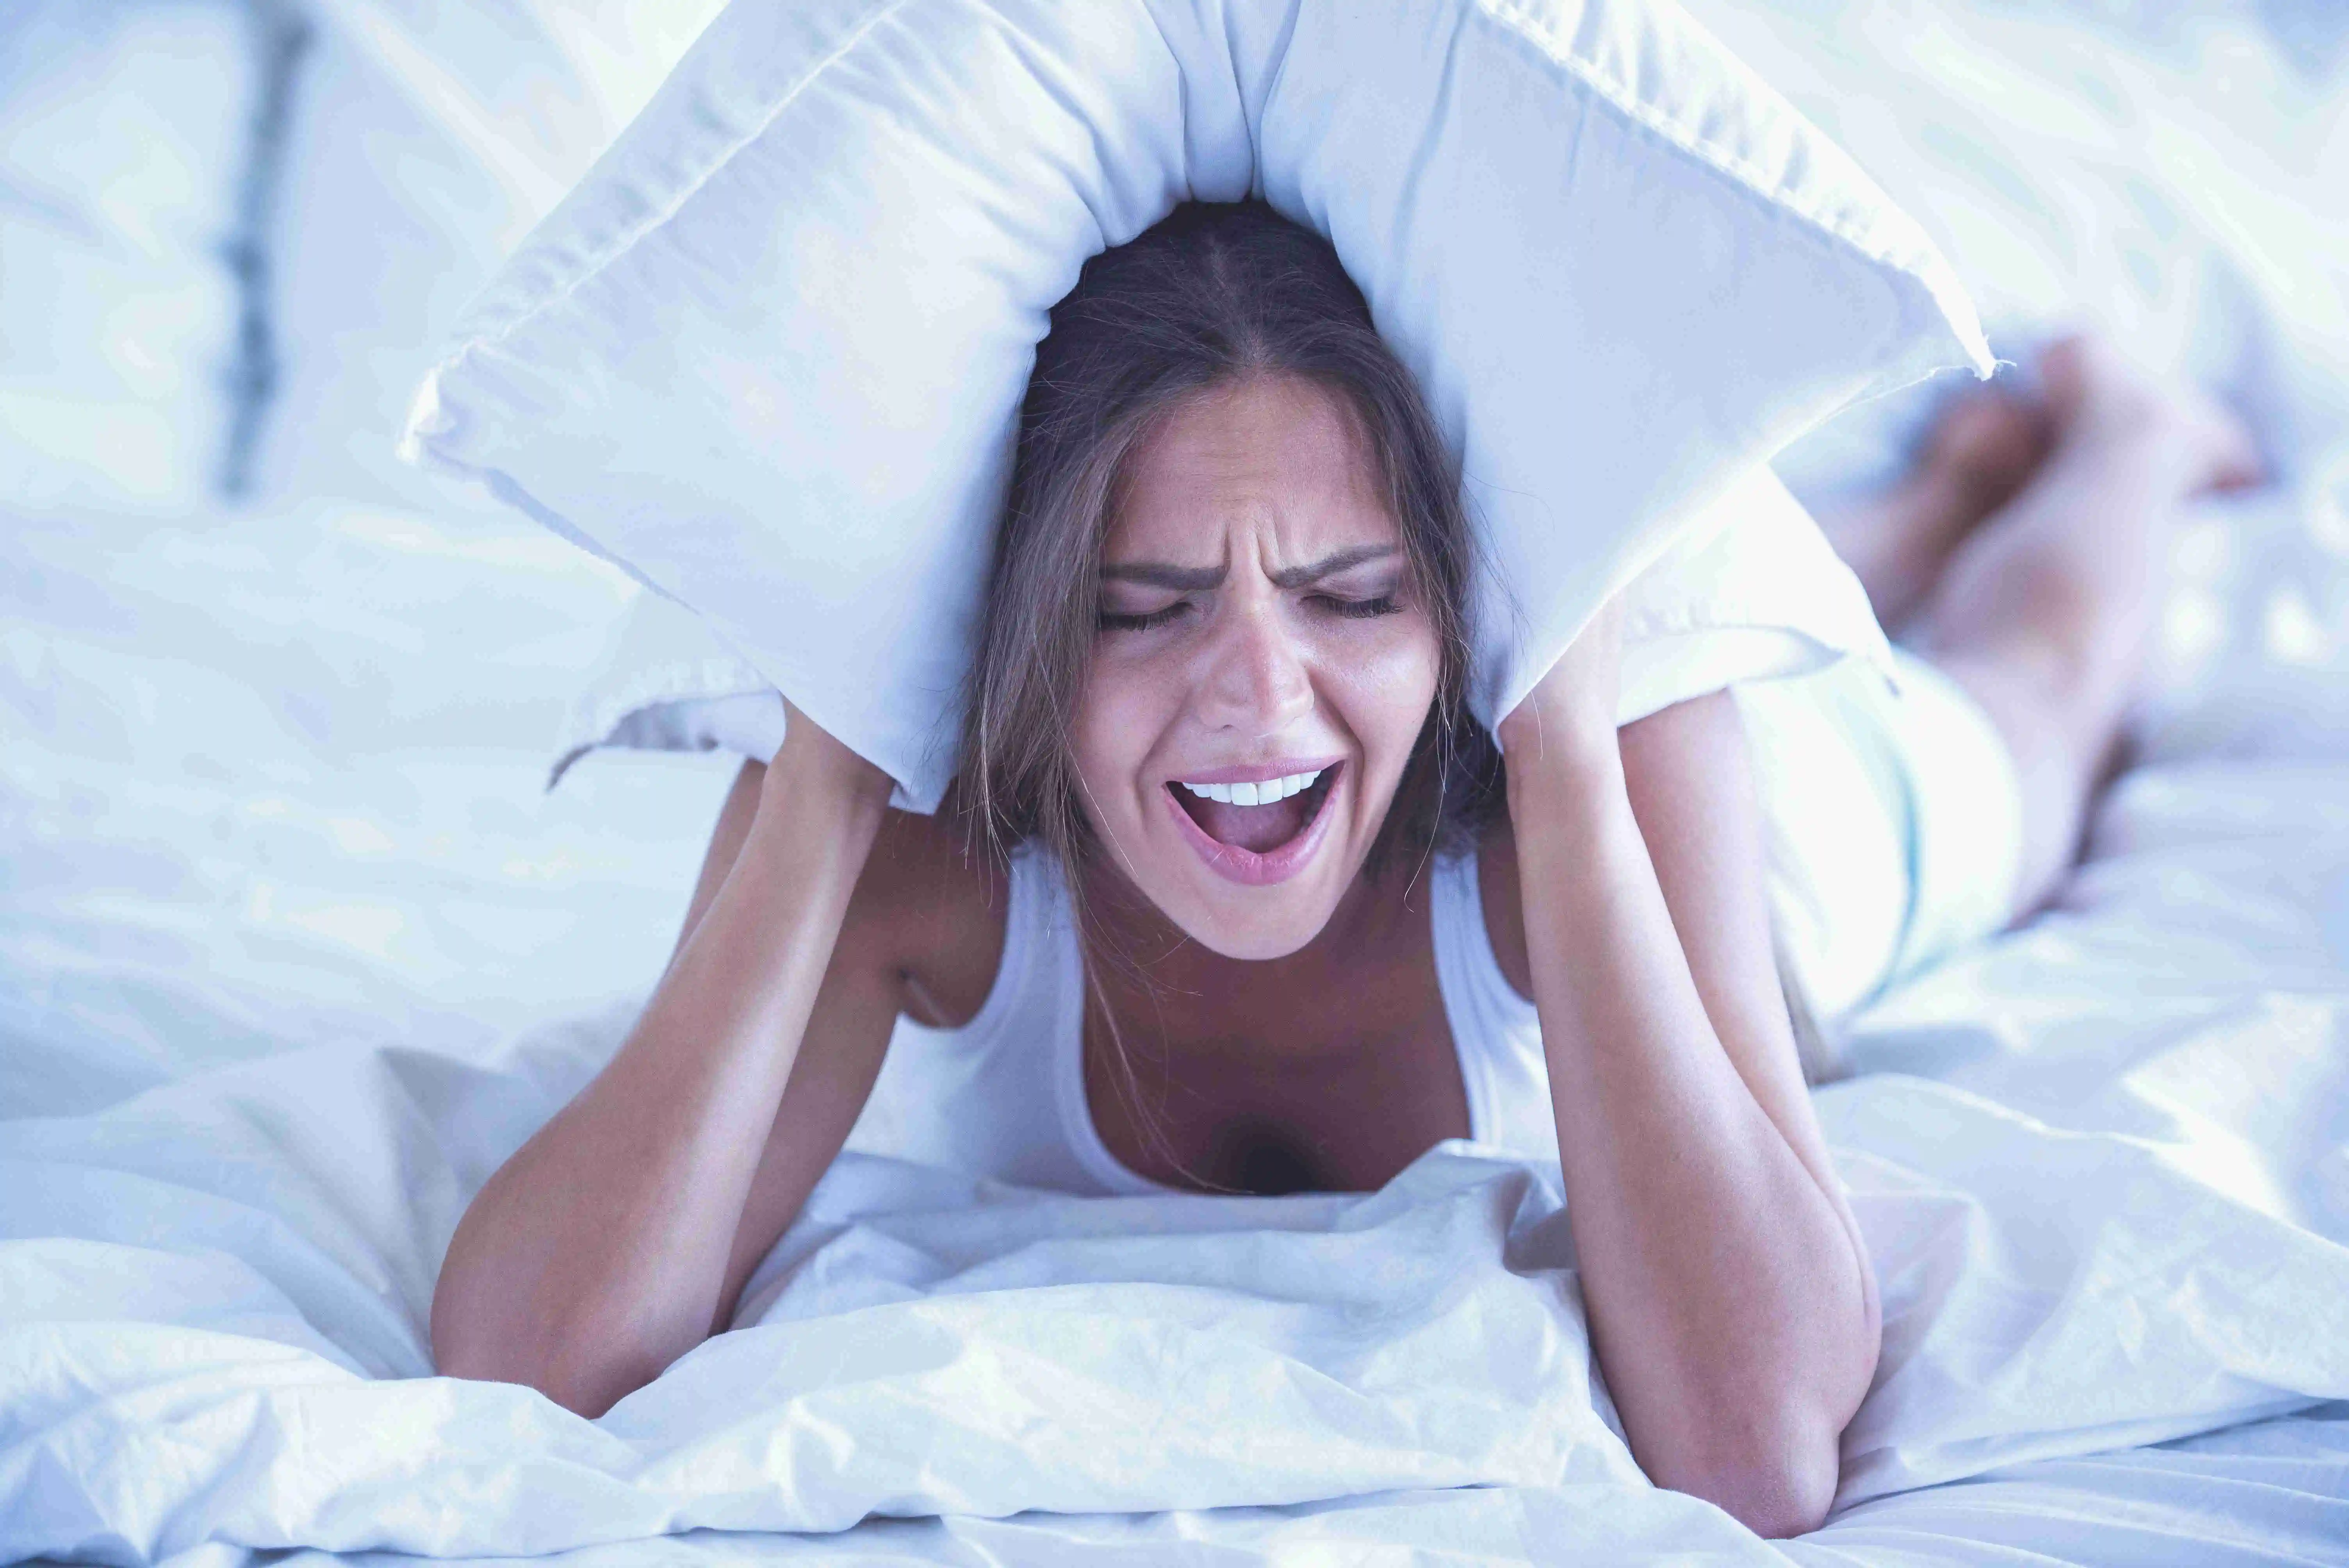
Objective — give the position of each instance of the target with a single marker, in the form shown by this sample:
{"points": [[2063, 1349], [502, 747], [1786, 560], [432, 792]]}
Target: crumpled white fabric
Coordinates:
{"points": [[213, 1297]]}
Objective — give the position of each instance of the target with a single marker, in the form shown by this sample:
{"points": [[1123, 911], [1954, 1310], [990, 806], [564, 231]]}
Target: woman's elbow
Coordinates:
{"points": [[1774, 1468], [1780, 1496], [1778, 1480], [584, 1372]]}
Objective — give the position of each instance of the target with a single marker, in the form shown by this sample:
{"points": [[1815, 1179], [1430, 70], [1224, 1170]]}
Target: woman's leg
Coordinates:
{"points": [[1973, 459], [2043, 607]]}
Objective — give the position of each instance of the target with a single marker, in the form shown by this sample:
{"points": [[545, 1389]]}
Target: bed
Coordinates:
{"points": [[294, 944]]}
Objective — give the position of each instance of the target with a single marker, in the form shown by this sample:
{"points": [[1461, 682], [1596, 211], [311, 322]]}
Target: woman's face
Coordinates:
{"points": [[1261, 670]]}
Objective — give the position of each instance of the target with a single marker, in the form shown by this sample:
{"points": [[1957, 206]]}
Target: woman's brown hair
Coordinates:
{"points": [[1213, 295]]}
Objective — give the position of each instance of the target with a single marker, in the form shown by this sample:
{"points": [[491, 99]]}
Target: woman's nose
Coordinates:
{"points": [[1256, 680]]}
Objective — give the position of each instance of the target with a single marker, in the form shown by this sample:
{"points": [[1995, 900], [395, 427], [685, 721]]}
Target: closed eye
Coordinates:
{"points": [[1357, 609], [1113, 621]]}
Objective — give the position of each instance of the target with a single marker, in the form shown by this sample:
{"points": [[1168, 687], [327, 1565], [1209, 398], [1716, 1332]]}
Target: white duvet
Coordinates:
{"points": [[2117, 1217]]}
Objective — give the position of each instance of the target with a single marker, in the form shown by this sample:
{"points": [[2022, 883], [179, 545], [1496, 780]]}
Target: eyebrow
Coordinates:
{"points": [[1195, 578]]}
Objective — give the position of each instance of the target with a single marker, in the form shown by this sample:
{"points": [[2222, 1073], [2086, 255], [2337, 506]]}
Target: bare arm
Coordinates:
{"points": [[1729, 1294], [617, 1238]]}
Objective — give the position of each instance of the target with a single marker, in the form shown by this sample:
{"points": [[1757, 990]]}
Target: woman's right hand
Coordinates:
{"points": [[620, 1235]]}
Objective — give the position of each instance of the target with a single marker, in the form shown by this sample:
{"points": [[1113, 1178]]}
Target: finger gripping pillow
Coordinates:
{"points": [[768, 356]]}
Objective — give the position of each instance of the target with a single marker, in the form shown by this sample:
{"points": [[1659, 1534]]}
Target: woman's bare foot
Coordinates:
{"points": [[2044, 612], [2089, 527], [2098, 398], [1983, 446]]}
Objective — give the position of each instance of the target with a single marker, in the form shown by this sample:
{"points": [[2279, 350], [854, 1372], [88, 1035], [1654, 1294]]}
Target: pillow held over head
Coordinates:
{"points": [[769, 355]]}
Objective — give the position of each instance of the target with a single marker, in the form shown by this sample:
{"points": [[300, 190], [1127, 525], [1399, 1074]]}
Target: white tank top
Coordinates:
{"points": [[1004, 1096]]}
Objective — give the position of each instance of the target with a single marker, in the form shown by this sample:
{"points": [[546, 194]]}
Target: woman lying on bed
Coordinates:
{"points": [[1273, 915]]}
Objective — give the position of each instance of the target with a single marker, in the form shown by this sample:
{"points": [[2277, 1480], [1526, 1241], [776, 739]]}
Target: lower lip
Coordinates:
{"points": [[1246, 867]]}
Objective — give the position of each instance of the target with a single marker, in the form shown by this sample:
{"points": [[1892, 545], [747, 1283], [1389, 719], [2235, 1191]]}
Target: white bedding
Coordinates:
{"points": [[918, 1346], [224, 1332], [288, 933]]}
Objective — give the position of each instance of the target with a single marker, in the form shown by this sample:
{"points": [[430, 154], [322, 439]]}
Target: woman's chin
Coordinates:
{"points": [[1254, 922], [1243, 896], [1254, 925]]}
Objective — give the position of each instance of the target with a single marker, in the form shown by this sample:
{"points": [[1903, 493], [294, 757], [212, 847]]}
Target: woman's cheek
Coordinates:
{"points": [[1388, 681], [1115, 730]]}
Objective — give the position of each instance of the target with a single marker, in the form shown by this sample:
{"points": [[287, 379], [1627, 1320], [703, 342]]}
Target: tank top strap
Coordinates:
{"points": [[1058, 1047], [1052, 1019], [990, 1097], [1030, 892], [1496, 1033], [1029, 978]]}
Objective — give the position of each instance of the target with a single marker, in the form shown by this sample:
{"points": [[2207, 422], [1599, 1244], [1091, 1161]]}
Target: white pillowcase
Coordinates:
{"points": [[669, 685], [1751, 592], [768, 356]]}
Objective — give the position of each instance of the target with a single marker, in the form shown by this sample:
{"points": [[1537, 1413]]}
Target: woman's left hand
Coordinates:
{"points": [[1570, 715]]}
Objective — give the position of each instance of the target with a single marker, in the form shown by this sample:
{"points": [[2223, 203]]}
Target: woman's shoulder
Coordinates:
{"points": [[933, 902]]}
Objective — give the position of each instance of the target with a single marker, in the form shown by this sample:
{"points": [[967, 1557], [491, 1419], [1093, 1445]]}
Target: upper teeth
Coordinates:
{"points": [[1263, 792]]}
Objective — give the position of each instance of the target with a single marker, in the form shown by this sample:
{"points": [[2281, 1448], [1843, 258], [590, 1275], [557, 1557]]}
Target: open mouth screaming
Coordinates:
{"points": [[1257, 817]]}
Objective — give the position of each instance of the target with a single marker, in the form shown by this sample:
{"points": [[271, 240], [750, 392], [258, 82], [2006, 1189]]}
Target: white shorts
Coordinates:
{"points": [[1896, 821]]}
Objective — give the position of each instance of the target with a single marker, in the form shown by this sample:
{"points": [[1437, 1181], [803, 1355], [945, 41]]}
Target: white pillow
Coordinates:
{"points": [[768, 356], [1751, 592], [124, 143], [666, 684]]}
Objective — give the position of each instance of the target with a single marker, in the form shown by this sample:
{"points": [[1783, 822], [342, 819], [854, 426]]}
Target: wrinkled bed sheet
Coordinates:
{"points": [[2116, 1214], [292, 950], [921, 1346]]}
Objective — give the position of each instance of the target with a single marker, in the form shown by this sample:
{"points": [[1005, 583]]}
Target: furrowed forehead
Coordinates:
{"points": [[1190, 579], [1277, 460]]}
